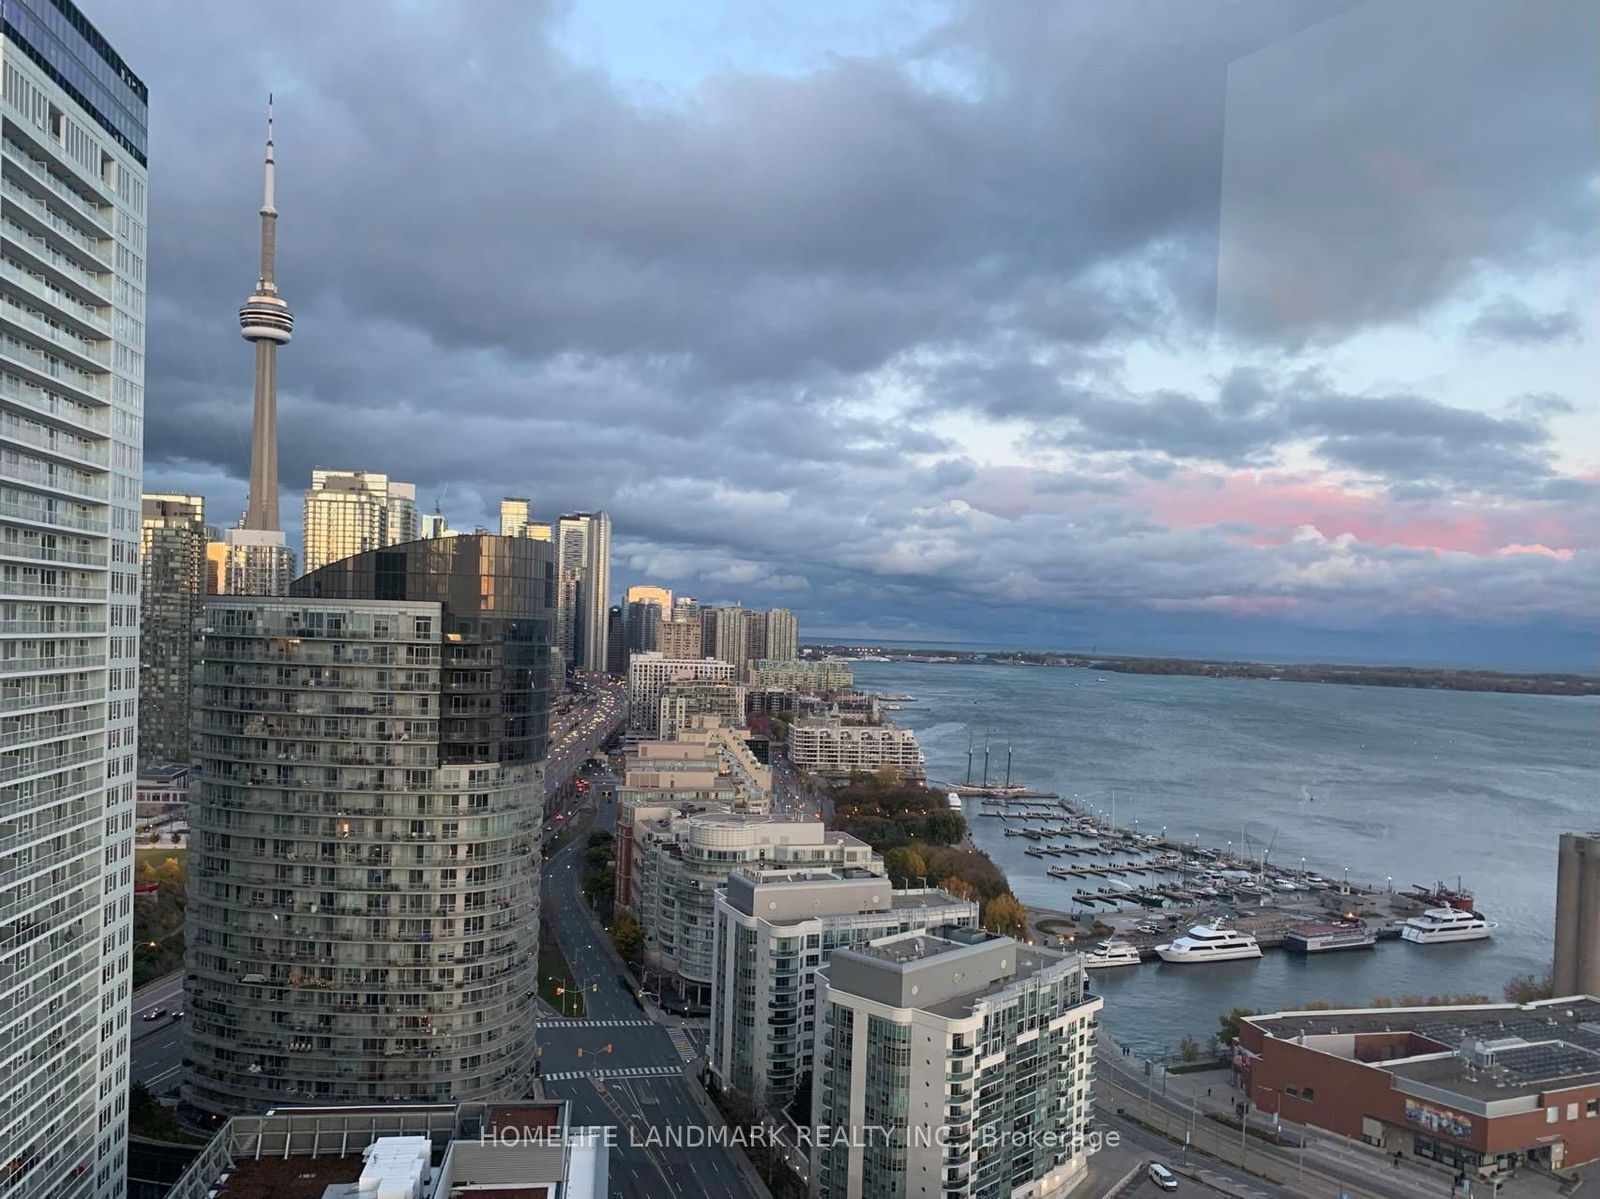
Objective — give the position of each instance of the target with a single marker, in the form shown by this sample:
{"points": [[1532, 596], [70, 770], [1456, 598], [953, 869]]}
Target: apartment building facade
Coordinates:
{"points": [[364, 886], [969, 1054], [830, 746], [72, 313], [771, 935]]}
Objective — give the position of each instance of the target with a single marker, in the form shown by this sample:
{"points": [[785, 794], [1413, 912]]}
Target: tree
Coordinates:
{"points": [[1229, 1031], [904, 864], [1004, 915], [959, 887], [1526, 988], [944, 828], [1189, 1049], [627, 934]]}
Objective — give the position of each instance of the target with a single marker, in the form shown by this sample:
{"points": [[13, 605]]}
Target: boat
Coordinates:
{"points": [[1324, 938], [954, 801], [1111, 953], [1437, 925], [1210, 943], [1441, 896]]}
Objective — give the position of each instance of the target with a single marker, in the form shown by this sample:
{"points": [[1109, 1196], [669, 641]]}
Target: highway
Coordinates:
{"points": [[576, 734], [644, 1084]]}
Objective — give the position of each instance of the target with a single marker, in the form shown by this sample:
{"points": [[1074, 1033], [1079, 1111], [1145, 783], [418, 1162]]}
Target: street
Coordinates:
{"points": [[632, 1073], [595, 715], [156, 1054]]}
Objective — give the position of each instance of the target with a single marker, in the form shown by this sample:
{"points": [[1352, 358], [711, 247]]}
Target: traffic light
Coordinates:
{"points": [[594, 986], [580, 1053], [608, 1047]]}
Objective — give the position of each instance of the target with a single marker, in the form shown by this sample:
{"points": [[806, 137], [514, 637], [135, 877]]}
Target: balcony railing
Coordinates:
{"points": [[56, 517]]}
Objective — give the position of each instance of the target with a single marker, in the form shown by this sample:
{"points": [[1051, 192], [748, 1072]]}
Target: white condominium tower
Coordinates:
{"points": [[583, 565], [352, 511], [953, 1063], [72, 235]]}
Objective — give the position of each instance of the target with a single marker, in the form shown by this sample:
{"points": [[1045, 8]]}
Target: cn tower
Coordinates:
{"points": [[265, 321]]}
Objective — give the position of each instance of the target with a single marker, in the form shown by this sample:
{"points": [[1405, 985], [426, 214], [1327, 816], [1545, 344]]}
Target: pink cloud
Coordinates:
{"points": [[1273, 504]]}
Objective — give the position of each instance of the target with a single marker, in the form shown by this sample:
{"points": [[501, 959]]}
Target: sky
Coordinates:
{"points": [[1209, 326]]}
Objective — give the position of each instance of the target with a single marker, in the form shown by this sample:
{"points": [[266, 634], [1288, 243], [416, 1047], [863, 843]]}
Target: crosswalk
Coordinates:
{"points": [[682, 1043], [616, 1072], [573, 1022]]}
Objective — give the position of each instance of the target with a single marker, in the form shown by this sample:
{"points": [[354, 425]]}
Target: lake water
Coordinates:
{"points": [[1406, 785]]}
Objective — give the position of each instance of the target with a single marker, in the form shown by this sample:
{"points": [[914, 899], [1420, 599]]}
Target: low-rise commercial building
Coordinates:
{"points": [[830, 746], [772, 933], [434, 1151], [1481, 1089], [951, 1063], [678, 859]]}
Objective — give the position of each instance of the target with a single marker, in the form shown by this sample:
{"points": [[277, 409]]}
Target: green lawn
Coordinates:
{"points": [[554, 972]]}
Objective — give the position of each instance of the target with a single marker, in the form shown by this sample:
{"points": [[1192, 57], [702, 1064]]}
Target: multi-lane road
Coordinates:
{"points": [[579, 732], [157, 1050], [633, 1074]]}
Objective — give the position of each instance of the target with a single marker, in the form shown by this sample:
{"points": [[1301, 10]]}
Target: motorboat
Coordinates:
{"points": [[1111, 953], [1437, 925], [1210, 943]]}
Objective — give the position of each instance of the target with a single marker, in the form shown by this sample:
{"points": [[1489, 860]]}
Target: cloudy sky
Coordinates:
{"points": [[1245, 326]]}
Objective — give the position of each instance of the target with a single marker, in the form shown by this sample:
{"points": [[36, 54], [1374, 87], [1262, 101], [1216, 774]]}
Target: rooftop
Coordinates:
{"points": [[1486, 1051], [323, 1153]]}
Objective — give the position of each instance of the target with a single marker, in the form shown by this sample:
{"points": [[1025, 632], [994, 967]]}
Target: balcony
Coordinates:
{"points": [[61, 479], [94, 250], [55, 517], [38, 553], [51, 699], [39, 733], [48, 440], [46, 403], [49, 664], [10, 772], [64, 268], [37, 169], [55, 591]]}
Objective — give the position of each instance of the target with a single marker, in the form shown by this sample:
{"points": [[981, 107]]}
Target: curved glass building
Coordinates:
{"points": [[364, 867]]}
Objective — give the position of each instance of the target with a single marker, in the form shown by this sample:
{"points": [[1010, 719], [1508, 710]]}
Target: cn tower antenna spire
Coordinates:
{"points": [[266, 322]]}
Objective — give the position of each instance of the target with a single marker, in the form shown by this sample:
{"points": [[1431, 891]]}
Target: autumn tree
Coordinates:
{"points": [[959, 887], [1004, 915], [904, 864]]}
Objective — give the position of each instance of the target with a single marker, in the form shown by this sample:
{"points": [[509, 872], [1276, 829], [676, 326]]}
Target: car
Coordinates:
{"points": [[178, 1015], [155, 1013], [1163, 1177]]}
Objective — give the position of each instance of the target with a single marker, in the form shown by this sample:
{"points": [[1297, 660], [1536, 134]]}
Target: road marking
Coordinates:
{"points": [[615, 1072], [682, 1043], [575, 1022]]}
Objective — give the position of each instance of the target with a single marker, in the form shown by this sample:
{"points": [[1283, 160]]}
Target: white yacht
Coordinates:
{"points": [[1210, 943], [1446, 924], [1111, 953]]}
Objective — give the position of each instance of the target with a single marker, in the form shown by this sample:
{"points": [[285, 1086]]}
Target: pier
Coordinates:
{"points": [[1117, 878]]}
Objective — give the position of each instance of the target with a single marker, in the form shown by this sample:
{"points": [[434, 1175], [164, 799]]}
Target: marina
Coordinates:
{"points": [[1414, 784]]}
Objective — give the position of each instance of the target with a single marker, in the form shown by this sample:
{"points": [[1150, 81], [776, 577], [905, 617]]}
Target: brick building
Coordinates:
{"points": [[1481, 1089]]}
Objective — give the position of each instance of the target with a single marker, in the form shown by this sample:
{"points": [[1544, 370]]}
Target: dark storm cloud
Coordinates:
{"points": [[1369, 171], [1510, 320], [513, 275]]}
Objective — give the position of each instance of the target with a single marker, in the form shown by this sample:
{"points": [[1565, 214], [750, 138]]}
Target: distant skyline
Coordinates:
{"points": [[1253, 327]]}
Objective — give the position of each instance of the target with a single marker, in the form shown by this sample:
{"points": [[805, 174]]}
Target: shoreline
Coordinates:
{"points": [[1417, 678]]}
